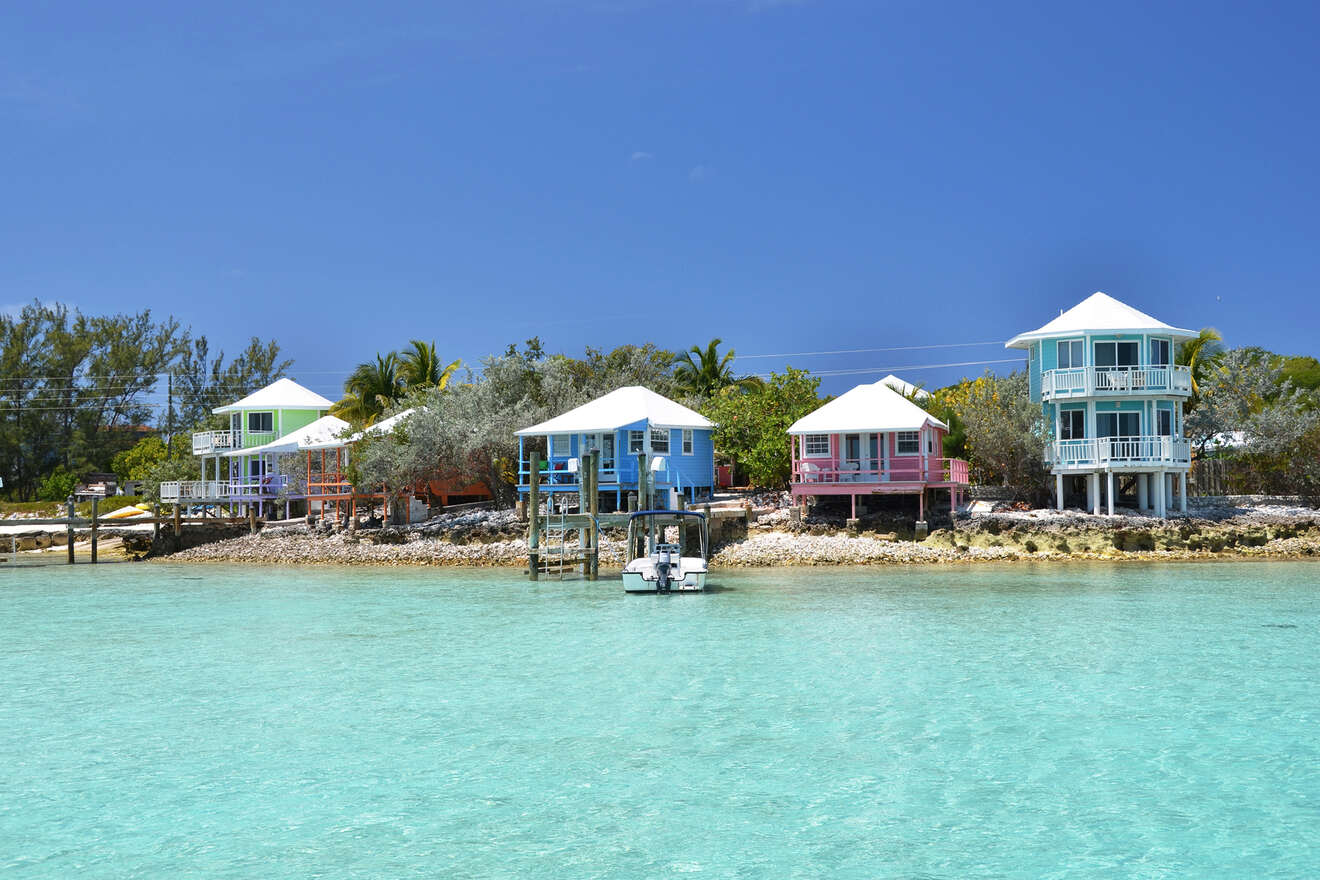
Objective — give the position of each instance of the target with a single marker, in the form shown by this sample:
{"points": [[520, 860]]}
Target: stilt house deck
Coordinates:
{"points": [[1104, 375], [874, 441], [241, 465], [623, 425]]}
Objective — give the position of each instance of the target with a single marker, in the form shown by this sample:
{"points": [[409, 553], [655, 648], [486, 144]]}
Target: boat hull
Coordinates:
{"points": [[692, 582]]}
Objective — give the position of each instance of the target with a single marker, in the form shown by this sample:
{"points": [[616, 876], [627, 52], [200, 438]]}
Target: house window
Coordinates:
{"points": [[1118, 355], [660, 440], [817, 445], [1159, 352], [635, 444], [1070, 354], [1165, 420], [687, 441], [1072, 424], [1118, 424], [908, 442], [261, 423], [560, 447]]}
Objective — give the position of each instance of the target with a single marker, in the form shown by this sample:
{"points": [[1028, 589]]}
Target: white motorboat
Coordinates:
{"points": [[661, 565]]}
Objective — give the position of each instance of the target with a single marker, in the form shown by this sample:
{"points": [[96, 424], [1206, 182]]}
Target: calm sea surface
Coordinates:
{"points": [[1053, 721]]}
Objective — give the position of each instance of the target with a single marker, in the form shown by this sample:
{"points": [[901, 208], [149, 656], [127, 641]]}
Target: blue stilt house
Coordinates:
{"points": [[676, 441]]}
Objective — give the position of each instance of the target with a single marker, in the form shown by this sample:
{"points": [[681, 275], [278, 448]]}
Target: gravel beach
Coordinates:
{"points": [[496, 539]]}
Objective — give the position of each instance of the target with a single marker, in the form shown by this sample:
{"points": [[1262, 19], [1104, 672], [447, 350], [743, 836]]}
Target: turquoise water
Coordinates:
{"points": [[1060, 721]]}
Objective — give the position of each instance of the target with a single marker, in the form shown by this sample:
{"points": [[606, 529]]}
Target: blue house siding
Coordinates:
{"points": [[693, 473]]}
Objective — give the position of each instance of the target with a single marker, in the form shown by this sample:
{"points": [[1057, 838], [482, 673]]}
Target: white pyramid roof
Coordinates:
{"points": [[320, 434], [620, 407], [280, 394], [338, 440], [866, 408], [907, 389], [384, 426], [1099, 313]]}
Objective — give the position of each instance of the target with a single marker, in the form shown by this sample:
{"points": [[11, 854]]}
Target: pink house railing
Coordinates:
{"points": [[831, 472]]}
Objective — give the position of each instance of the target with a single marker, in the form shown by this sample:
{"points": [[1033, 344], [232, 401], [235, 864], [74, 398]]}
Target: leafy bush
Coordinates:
{"points": [[752, 421], [58, 485]]}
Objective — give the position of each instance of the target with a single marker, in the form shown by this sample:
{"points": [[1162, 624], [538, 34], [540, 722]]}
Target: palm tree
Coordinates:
{"points": [[703, 372], [420, 367], [1199, 354], [370, 390]]}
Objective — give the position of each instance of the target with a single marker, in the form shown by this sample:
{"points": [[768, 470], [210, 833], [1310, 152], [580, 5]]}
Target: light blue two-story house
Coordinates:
{"points": [[1105, 376], [623, 425]]}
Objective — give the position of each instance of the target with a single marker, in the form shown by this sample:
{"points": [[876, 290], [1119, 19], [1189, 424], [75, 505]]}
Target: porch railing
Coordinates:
{"points": [[206, 442], [1102, 381], [1148, 449], [192, 490], [829, 471], [211, 490], [555, 472]]}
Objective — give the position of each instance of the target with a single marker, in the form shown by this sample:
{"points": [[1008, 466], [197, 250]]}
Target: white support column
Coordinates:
{"points": [[1142, 495], [1168, 493], [1160, 508], [1093, 492], [1058, 491], [1111, 493], [1182, 491]]}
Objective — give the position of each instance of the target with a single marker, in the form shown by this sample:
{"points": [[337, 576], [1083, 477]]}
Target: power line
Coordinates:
{"points": [[747, 357], [907, 368]]}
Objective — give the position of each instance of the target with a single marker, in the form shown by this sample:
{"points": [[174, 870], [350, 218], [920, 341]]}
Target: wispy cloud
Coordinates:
{"points": [[700, 173], [641, 156]]}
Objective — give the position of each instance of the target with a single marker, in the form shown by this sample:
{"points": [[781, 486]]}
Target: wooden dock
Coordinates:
{"points": [[95, 524]]}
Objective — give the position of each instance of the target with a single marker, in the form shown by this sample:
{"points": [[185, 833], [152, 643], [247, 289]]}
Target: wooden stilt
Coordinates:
{"points": [[96, 502], [534, 516], [69, 528]]}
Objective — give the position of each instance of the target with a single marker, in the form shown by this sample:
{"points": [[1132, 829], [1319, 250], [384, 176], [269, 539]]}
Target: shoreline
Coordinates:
{"points": [[979, 540]]}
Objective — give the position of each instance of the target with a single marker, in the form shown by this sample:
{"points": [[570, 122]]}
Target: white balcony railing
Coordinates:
{"points": [[207, 442], [1155, 451], [193, 490], [1115, 381]]}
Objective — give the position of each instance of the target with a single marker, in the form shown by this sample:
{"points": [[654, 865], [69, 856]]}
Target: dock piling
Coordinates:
{"points": [[69, 528], [95, 506], [593, 502], [534, 516]]}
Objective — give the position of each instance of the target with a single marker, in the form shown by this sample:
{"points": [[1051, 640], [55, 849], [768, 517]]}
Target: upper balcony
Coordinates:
{"points": [[1115, 382], [216, 442], [210, 442]]}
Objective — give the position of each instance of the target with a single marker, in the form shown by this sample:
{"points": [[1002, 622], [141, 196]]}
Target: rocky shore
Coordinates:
{"points": [[497, 539]]}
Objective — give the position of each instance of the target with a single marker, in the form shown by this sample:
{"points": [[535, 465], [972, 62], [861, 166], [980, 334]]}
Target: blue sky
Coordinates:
{"points": [[790, 176]]}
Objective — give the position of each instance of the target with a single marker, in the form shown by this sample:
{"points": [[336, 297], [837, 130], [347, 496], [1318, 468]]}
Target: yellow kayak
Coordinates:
{"points": [[126, 512]]}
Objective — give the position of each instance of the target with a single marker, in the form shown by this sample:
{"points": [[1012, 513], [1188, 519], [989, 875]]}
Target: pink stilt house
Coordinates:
{"points": [[874, 441]]}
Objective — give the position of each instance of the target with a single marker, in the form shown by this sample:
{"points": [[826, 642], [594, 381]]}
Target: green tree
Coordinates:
{"points": [[752, 423], [703, 371], [202, 383], [140, 460], [1004, 432], [1199, 354], [370, 390], [420, 367], [58, 484]]}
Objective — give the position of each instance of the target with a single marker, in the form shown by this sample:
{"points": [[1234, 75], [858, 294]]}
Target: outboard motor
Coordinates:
{"points": [[662, 566]]}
